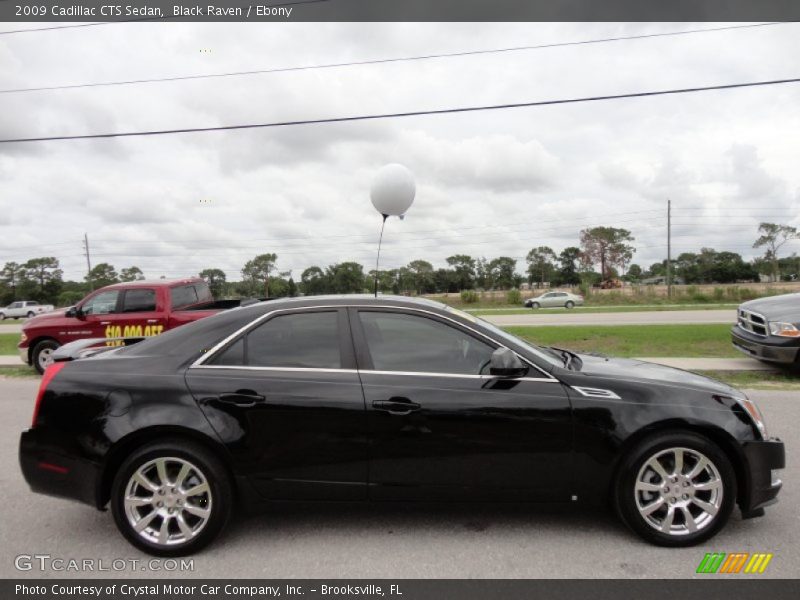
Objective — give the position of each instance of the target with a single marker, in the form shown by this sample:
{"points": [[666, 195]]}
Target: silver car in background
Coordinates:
{"points": [[555, 299]]}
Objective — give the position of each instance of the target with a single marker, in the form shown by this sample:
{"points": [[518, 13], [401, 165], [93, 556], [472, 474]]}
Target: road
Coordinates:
{"points": [[655, 317], [391, 542]]}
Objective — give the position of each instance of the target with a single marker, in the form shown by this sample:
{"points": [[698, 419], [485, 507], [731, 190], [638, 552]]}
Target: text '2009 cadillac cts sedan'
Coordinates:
{"points": [[353, 398]]}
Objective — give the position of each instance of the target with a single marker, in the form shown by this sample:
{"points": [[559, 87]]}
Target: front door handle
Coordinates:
{"points": [[243, 398], [396, 406]]}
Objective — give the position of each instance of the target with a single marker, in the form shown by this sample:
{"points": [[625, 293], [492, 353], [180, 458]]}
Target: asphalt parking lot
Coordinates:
{"points": [[335, 541]]}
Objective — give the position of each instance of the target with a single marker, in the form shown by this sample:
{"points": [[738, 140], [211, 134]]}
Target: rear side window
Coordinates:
{"points": [[184, 295], [303, 340], [139, 301]]}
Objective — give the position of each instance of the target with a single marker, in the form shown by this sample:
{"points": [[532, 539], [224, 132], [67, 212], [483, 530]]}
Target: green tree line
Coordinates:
{"points": [[603, 253]]}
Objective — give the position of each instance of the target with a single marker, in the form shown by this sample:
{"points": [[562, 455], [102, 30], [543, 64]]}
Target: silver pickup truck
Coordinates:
{"points": [[768, 329], [24, 309]]}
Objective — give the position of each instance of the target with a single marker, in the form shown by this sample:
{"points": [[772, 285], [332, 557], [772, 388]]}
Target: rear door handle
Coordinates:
{"points": [[243, 398], [396, 406]]}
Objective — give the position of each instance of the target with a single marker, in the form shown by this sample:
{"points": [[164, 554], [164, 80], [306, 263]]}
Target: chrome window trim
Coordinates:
{"points": [[369, 372], [200, 362]]}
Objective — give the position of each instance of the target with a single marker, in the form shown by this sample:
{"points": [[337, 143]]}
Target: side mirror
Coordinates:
{"points": [[505, 363], [74, 312]]}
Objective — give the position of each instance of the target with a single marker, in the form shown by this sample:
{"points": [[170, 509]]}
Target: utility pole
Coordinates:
{"points": [[669, 248], [88, 261]]}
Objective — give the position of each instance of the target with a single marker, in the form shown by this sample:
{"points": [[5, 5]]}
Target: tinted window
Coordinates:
{"points": [[101, 304], [139, 301], [33, 304], [307, 339], [400, 342], [185, 295], [232, 355]]}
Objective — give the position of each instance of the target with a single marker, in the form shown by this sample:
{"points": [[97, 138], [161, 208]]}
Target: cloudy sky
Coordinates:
{"points": [[488, 183]]}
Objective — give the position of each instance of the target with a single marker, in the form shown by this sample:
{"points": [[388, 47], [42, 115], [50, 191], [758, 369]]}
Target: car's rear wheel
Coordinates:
{"points": [[171, 498], [2, 316], [676, 489], [535, 305], [569, 304], [43, 354], [31, 314]]}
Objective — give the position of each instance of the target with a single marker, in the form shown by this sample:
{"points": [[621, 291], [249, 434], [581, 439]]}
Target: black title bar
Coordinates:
{"points": [[399, 10]]}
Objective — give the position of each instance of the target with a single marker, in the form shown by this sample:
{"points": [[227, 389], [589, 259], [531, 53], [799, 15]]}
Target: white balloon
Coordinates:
{"points": [[393, 190]]}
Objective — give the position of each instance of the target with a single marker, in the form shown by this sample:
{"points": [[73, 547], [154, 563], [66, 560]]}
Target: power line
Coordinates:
{"points": [[417, 113], [380, 60]]}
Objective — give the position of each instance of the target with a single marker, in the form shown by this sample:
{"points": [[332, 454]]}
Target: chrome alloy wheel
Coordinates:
{"points": [[46, 358], [168, 501], [678, 491]]}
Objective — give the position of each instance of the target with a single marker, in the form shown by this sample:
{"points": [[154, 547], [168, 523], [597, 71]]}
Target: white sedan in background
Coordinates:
{"points": [[555, 299]]}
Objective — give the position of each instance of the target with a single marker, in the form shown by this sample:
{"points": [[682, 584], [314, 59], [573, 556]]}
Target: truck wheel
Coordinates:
{"points": [[43, 354], [171, 498], [675, 489], [2, 316], [31, 314]]}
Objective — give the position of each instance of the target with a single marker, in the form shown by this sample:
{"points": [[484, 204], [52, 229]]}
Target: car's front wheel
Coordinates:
{"points": [[535, 305], [676, 489], [31, 314], [171, 498], [43, 354]]}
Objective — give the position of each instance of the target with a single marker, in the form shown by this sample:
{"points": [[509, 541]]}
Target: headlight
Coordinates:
{"points": [[752, 409], [23, 338], [784, 329]]}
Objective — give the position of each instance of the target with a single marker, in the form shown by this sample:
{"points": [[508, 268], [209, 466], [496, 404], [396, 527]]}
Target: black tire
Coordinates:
{"points": [[626, 497], [31, 314], [220, 498], [2, 316], [47, 347], [535, 305], [569, 304]]}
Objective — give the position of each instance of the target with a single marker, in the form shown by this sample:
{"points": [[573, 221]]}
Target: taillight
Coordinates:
{"points": [[49, 373]]}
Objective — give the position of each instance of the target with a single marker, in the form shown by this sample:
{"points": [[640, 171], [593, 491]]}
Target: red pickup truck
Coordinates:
{"points": [[123, 310]]}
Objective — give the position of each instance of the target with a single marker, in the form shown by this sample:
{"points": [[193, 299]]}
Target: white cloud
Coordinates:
{"points": [[489, 183]]}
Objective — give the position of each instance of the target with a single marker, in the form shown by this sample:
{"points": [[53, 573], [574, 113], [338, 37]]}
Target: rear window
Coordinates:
{"points": [[188, 295]]}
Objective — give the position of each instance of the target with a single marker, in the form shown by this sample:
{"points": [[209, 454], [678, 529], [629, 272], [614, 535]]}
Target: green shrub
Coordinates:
{"points": [[469, 296], [69, 298], [514, 297]]}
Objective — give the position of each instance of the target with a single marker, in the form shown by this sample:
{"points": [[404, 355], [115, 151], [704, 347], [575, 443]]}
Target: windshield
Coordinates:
{"points": [[543, 353]]}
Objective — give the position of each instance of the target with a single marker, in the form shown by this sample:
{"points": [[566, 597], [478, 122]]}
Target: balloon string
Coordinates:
{"points": [[378, 259]]}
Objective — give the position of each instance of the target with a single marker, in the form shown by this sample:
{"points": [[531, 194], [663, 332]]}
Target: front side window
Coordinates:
{"points": [[139, 301], [302, 340], [102, 304], [402, 342]]}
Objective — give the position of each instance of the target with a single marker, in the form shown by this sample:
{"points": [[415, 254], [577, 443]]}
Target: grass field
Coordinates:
{"points": [[757, 380], [697, 340], [599, 309], [8, 343]]}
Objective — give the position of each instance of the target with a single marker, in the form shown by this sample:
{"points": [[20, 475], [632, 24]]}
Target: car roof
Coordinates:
{"points": [[153, 283]]}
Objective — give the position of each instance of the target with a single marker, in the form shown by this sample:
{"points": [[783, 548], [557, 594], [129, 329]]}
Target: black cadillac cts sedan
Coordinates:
{"points": [[354, 398]]}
